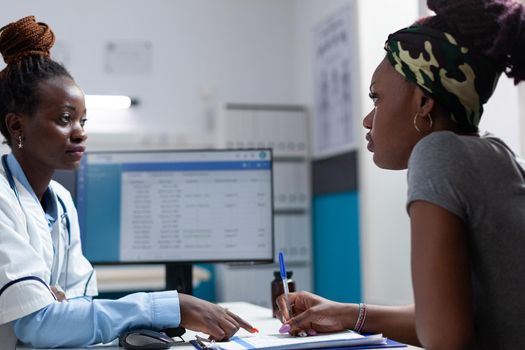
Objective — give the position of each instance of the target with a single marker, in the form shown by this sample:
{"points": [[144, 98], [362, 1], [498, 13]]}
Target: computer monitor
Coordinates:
{"points": [[176, 207]]}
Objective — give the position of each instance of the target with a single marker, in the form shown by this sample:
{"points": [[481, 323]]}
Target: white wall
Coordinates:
{"points": [[233, 50], [501, 115]]}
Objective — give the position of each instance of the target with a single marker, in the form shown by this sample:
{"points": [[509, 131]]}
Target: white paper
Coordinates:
{"points": [[285, 341]]}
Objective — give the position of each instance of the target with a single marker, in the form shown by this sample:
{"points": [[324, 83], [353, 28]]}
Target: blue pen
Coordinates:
{"points": [[284, 277]]}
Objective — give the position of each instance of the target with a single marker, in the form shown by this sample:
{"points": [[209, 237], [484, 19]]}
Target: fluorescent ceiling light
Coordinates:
{"points": [[107, 102]]}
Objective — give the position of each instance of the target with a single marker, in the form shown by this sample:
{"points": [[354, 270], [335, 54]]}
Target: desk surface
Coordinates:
{"points": [[260, 317]]}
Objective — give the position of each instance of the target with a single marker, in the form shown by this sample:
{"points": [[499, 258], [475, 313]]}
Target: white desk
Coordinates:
{"points": [[259, 317]]}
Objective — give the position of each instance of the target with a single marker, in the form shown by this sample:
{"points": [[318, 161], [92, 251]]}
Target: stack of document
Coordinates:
{"points": [[285, 341], [269, 339]]}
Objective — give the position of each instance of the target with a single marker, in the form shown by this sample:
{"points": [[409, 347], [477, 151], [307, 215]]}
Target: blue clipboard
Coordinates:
{"points": [[389, 344]]}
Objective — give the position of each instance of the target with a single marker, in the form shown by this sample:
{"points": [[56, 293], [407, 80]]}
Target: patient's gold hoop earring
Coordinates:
{"points": [[430, 122]]}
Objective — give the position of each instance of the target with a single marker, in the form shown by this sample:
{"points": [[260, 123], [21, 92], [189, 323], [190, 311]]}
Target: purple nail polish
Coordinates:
{"points": [[285, 328], [312, 332]]}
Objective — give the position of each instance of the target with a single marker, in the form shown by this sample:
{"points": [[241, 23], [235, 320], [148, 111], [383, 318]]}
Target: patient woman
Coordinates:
{"points": [[46, 284], [466, 191]]}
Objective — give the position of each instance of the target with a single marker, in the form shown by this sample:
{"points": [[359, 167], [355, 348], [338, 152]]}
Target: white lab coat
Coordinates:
{"points": [[27, 252]]}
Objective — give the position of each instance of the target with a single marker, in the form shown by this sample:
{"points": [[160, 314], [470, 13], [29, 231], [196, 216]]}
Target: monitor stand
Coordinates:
{"points": [[179, 277]]}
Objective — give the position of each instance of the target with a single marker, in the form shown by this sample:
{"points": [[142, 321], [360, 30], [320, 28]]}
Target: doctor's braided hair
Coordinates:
{"points": [[25, 46], [493, 28]]}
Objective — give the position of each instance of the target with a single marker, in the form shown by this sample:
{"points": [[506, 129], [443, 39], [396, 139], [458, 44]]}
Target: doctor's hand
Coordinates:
{"points": [[202, 316], [314, 314], [58, 293]]}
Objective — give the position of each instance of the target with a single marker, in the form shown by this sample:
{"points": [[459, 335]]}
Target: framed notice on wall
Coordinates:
{"points": [[336, 82]]}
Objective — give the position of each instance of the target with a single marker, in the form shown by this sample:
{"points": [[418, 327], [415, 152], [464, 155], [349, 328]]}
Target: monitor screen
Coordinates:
{"points": [[176, 206]]}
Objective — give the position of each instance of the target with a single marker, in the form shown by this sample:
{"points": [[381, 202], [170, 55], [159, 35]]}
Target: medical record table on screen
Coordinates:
{"points": [[176, 206]]}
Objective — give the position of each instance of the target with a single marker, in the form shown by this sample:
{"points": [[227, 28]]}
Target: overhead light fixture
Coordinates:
{"points": [[109, 102]]}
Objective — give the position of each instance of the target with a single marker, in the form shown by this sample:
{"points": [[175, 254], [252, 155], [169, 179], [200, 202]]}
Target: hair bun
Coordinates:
{"points": [[25, 37], [515, 29], [494, 27]]}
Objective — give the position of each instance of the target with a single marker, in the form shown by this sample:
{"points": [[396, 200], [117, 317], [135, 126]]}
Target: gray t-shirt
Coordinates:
{"points": [[479, 180]]}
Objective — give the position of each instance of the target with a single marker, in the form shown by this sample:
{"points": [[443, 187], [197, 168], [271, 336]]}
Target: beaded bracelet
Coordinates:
{"points": [[360, 318]]}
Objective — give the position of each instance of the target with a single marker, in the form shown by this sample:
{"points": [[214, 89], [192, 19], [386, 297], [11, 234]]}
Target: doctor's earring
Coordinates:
{"points": [[430, 122], [20, 144]]}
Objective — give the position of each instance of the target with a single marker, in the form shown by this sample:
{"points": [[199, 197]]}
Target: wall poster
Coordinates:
{"points": [[336, 70]]}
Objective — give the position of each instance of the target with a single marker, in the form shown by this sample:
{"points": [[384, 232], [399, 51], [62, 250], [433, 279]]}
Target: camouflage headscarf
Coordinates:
{"points": [[460, 81]]}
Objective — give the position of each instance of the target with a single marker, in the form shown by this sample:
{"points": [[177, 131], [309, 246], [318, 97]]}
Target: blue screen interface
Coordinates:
{"points": [[176, 206]]}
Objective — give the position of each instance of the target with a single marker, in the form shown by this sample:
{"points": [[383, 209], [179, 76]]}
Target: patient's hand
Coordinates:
{"points": [[314, 314], [202, 316]]}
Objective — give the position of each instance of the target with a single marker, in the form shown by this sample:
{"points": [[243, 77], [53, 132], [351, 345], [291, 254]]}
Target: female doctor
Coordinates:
{"points": [[46, 284]]}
